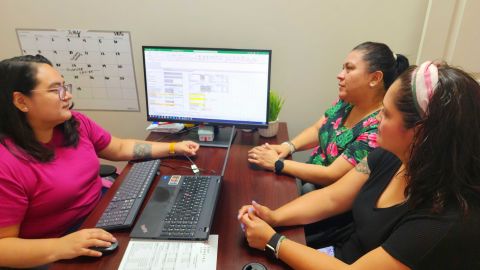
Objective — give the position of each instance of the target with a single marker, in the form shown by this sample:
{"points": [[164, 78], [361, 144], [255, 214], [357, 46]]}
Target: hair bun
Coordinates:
{"points": [[401, 63]]}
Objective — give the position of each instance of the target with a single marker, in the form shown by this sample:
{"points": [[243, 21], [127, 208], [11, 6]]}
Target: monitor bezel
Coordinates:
{"points": [[213, 122]]}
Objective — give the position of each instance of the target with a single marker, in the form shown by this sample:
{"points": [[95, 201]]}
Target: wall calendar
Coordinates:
{"points": [[99, 65]]}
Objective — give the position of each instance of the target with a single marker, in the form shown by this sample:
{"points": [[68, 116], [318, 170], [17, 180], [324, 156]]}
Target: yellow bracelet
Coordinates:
{"points": [[171, 148]]}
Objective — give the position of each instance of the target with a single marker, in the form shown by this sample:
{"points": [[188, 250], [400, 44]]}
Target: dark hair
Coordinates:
{"points": [[444, 165], [380, 58], [18, 74]]}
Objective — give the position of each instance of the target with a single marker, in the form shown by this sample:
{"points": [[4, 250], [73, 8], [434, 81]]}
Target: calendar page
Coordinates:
{"points": [[99, 65]]}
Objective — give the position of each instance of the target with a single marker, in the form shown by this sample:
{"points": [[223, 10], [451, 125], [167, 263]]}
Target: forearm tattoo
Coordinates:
{"points": [[142, 151], [363, 167]]}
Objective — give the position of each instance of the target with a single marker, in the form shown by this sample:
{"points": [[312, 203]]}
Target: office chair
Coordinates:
{"points": [[108, 173]]}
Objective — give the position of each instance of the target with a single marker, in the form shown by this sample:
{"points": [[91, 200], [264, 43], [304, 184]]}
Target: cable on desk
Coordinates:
{"points": [[194, 167], [174, 166]]}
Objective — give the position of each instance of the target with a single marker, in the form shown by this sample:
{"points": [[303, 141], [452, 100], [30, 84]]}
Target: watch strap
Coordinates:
{"points": [[271, 246]]}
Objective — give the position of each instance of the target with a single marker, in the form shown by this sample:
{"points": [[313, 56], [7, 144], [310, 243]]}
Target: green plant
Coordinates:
{"points": [[275, 106]]}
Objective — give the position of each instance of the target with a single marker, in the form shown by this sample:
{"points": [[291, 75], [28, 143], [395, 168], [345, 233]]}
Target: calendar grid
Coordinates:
{"points": [[99, 65]]}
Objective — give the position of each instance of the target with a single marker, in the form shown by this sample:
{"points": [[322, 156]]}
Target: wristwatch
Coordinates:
{"points": [[273, 245], [279, 166]]}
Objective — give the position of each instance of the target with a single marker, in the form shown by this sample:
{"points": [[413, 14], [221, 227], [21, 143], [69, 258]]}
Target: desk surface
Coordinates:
{"points": [[242, 183]]}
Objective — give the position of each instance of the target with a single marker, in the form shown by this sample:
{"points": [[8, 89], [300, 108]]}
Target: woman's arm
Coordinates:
{"points": [[318, 174], [127, 149], [302, 257], [323, 203], [318, 204], [265, 156], [23, 253]]}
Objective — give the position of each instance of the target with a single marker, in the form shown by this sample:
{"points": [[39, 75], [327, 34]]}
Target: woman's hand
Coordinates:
{"points": [[282, 150], [188, 148], [257, 231], [264, 156], [78, 243], [261, 211]]}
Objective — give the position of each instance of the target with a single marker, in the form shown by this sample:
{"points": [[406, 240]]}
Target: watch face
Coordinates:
{"points": [[278, 166], [270, 251]]}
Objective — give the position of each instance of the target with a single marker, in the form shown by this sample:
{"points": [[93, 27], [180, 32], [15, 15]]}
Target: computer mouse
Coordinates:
{"points": [[106, 250]]}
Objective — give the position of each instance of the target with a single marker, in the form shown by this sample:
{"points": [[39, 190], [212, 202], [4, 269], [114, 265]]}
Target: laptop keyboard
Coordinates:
{"points": [[126, 202], [181, 221]]}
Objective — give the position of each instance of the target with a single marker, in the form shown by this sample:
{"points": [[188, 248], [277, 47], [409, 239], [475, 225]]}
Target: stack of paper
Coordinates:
{"points": [[162, 255], [165, 127]]}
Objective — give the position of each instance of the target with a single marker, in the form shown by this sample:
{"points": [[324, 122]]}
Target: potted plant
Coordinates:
{"points": [[275, 104]]}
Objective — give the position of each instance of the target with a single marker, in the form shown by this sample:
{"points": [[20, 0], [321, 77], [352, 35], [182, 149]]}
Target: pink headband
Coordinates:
{"points": [[424, 81]]}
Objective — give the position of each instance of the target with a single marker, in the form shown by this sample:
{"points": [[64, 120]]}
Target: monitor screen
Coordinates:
{"points": [[207, 85]]}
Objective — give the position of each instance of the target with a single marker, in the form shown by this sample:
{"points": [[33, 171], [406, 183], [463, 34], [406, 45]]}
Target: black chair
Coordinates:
{"points": [[108, 172]]}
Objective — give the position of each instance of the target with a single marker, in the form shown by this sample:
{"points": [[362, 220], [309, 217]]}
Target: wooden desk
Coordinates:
{"points": [[242, 183]]}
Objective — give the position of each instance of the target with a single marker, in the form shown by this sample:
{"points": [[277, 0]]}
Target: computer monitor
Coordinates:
{"points": [[208, 86]]}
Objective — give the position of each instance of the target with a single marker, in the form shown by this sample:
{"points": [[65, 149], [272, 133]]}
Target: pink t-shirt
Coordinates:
{"points": [[46, 199]]}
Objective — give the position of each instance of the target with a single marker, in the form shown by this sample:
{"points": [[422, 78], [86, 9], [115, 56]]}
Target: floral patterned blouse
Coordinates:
{"points": [[336, 140]]}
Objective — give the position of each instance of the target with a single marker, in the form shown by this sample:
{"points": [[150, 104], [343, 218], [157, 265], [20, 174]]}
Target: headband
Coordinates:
{"points": [[424, 81]]}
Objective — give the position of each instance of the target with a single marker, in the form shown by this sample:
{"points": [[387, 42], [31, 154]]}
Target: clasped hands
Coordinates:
{"points": [[266, 154], [256, 221]]}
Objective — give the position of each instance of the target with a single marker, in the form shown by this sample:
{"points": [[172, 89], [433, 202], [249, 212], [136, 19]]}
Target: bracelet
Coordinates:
{"points": [[292, 147], [277, 248], [171, 148]]}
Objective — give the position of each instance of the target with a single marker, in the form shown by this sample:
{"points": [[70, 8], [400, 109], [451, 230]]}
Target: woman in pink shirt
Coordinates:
{"points": [[49, 166]]}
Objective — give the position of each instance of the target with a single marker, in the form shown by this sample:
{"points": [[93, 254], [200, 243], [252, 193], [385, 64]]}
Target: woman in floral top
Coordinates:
{"points": [[335, 139], [348, 129]]}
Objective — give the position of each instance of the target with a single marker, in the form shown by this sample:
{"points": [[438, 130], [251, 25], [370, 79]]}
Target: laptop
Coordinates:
{"points": [[181, 208]]}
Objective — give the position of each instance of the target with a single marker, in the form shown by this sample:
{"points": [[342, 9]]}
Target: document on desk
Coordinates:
{"points": [[162, 255]]}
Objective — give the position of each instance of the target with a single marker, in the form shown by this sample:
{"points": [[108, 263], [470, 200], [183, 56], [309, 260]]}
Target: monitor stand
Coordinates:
{"points": [[223, 137]]}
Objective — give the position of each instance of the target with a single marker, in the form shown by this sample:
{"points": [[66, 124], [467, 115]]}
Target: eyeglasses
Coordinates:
{"points": [[61, 90]]}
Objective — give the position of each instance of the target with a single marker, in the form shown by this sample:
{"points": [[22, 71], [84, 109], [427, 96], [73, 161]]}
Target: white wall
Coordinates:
{"points": [[451, 34], [309, 39]]}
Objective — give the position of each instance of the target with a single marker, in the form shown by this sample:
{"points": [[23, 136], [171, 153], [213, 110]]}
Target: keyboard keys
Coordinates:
{"points": [[126, 202], [181, 221]]}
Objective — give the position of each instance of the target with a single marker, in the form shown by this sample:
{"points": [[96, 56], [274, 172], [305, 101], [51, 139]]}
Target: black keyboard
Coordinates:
{"points": [[126, 202], [181, 221]]}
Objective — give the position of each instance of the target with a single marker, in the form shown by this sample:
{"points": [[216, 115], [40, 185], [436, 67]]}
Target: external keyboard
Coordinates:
{"points": [[181, 221], [126, 202]]}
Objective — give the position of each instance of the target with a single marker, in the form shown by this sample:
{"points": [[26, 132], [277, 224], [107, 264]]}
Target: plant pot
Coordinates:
{"points": [[271, 131]]}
